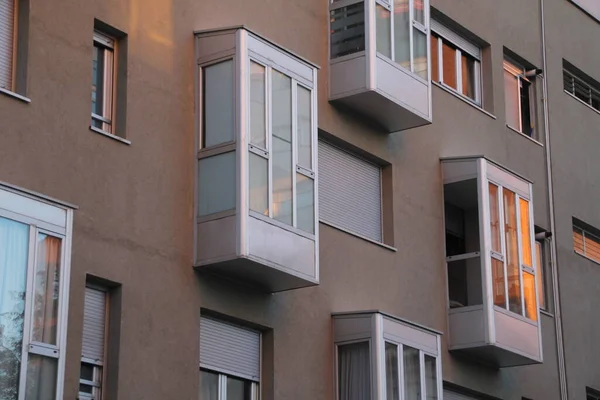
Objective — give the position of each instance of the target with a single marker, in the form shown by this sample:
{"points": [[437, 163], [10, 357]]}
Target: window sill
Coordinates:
{"points": [[525, 136], [385, 246], [458, 96], [546, 313], [110, 135], [582, 102], [15, 95], [586, 257]]}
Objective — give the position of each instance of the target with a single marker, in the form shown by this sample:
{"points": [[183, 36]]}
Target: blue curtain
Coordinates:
{"points": [[14, 241]]}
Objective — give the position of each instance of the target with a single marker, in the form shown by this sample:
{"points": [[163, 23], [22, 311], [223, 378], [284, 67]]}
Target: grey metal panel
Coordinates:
{"points": [[216, 240], [456, 39], [349, 192], [94, 324], [7, 26], [32, 208], [346, 328], [514, 333], [451, 395], [347, 77], [409, 335], [466, 328], [229, 348]]}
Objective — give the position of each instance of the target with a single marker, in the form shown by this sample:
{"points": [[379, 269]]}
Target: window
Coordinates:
{"points": [[581, 86], [411, 365], [455, 62], [585, 242], [14, 38], [34, 275], [539, 270], [592, 394], [93, 353], [519, 98], [229, 361], [103, 82], [8, 14], [350, 192]]}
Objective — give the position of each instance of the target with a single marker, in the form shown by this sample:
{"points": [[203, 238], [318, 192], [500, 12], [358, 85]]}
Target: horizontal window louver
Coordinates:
{"points": [[229, 349], [7, 26], [456, 39], [349, 192], [94, 325], [579, 88], [586, 243]]}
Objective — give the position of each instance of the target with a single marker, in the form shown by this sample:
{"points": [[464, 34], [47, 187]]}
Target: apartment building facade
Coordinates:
{"points": [[350, 200]]}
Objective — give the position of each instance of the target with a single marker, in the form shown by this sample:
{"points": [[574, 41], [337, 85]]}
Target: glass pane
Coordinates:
{"points": [[529, 294], [384, 34], [97, 80], [449, 62], [525, 232], [304, 136], [512, 253], [526, 121], [218, 100], [431, 388], [238, 389], [305, 194], [209, 385], [354, 371], [86, 388], [282, 147], [391, 372], [592, 246], [511, 100], [347, 30], [41, 378], [257, 105], [468, 75], [435, 67], [578, 240], [412, 374], [14, 244], [539, 274], [498, 283], [495, 218], [216, 183], [259, 184], [402, 26], [420, 53], [419, 11], [46, 289], [87, 372]]}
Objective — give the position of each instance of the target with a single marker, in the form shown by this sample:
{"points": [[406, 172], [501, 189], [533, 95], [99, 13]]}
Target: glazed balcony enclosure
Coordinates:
{"points": [[379, 60], [491, 266], [257, 162]]}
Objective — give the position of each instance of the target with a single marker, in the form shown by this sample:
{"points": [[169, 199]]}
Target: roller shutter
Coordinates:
{"points": [[94, 325], [7, 26], [456, 39]]}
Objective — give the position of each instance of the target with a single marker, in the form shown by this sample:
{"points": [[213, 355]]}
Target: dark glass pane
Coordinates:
{"points": [[526, 121]]}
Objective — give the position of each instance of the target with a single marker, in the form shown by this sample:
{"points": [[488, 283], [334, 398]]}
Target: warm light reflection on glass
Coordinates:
{"points": [[525, 232]]}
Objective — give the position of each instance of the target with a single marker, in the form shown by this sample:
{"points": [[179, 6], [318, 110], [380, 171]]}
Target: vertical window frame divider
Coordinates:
{"points": [[400, 350], [458, 59], [392, 22], [411, 35], [440, 51], [502, 217], [294, 166], [520, 250], [423, 379], [15, 38], [269, 133]]}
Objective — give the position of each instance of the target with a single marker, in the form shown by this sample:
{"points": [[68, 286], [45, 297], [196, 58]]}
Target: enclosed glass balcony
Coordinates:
{"points": [[379, 60], [493, 305], [257, 178]]}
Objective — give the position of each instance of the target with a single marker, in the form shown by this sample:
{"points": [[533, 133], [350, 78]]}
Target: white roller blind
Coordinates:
{"points": [[7, 25], [349, 192], [230, 349], [94, 324], [456, 39], [451, 395]]}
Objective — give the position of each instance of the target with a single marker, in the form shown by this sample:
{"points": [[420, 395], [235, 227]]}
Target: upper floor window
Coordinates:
{"points": [[14, 32], [455, 62], [8, 15], [586, 240], [229, 361], [580, 85], [519, 97], [93, 352], [34, 271], [592, 394], [103, 82]]}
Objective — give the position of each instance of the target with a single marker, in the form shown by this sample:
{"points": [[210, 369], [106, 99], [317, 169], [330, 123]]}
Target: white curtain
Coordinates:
{"points": [[209, 386], [391, 372], [14, 243], [412, 374], [354, 372]]}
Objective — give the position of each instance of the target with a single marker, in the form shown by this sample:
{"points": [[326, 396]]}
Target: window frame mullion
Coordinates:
{"points": [[520, 251], [269, 138], [294, 149]]}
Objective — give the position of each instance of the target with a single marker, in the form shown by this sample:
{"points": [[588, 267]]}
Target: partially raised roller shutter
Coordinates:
{"points": [[94, 325], [7, 28], [349, 192], [229, 349]]}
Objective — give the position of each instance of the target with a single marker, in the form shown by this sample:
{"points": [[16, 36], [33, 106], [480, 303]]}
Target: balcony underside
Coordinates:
{"points": [[495, 356]]}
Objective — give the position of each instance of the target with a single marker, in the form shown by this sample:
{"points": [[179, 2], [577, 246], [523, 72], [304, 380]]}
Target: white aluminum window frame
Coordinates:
{"points": [[478, 89], [503, 256], [414, 24], [541, 271], [519, 73], [222, 385], [29, 346], [107, 45], [266, 153]]}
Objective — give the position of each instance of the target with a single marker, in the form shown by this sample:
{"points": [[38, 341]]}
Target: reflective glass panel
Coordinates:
{"points": [[498, 283], [209, 385], [391, 372], [305, 194], [216, 183], [257, 105], [259, 186], [431, 389], [511, 100], [525, 232], [402, 26], [512, 252], [218, 101], [384, 31], [41, 378], [419, 11], [238, 389], [495, 218], [304, 135], [468, 65], [449, 65], [412, 374], [420, 53], [539, 274], [529, 294]]}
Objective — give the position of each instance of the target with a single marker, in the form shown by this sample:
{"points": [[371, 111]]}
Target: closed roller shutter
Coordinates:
{"points": [[7, 24], [94, 325], [452, 395], [456, 39], [229, 349], [349, 192]]}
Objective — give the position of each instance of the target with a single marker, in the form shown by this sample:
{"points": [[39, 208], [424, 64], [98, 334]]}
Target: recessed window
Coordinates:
{"points": [[34, 266], [229, 361], [586, 241], [581, 86], [592, 394], [103, 81], [519, 97], [93, 352], [455, 62]]}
